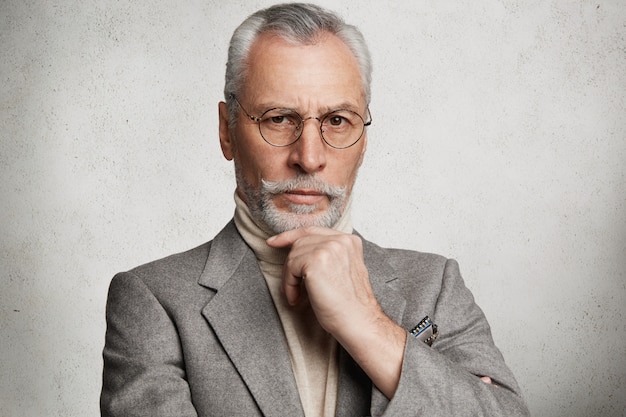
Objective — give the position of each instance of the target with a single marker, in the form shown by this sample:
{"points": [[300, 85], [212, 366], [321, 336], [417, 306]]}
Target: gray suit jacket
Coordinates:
{"points": [[197, 334]]}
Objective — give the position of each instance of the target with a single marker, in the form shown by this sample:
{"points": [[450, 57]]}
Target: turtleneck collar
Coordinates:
{"points": [[255, 234]]}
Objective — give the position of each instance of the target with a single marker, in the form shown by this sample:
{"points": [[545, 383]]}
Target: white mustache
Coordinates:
{"points": [[308, 182]]}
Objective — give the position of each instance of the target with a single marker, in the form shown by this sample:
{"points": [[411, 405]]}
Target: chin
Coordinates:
{"points": [[299, 215]]}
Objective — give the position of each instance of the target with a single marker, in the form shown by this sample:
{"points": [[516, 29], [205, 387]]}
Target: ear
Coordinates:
{"points": [[225, 137]]}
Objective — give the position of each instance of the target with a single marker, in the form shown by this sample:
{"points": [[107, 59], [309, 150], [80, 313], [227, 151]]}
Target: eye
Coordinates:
{"points": [[340, 120], [279, 118], [336, 120]]}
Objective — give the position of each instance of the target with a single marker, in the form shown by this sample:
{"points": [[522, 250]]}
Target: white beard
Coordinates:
{"points": [[263, 209]]}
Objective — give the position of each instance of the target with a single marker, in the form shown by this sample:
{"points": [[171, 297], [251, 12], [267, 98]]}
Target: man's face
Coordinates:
{"points": [[307, 182]]}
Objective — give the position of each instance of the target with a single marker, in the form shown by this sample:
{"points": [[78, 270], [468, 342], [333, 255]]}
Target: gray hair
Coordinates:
{"points": [[299, 23]]}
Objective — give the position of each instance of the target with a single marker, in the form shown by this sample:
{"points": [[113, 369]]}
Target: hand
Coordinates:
{"points": [[331, 267]]}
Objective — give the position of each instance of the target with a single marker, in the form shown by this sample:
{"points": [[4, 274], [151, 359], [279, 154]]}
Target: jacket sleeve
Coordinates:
{"points": [[444, 380], [144, 372]]}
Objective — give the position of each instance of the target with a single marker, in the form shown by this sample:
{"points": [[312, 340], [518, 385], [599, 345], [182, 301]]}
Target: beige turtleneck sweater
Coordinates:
{"points": [[313, 351]]}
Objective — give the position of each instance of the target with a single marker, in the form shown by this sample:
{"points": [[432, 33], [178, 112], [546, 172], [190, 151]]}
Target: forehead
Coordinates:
{"points": [[316, 74]]}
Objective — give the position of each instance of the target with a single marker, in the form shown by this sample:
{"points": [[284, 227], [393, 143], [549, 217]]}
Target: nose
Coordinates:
{"points": [[308, 154]]}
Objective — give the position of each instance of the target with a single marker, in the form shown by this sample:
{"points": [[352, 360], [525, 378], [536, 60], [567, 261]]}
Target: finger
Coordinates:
{"points": [[284, 239], [292, 287], [288, 238]]}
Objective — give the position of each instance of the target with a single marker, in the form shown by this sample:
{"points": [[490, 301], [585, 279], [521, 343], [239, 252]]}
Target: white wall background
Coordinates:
{"points": [[499, 139]]}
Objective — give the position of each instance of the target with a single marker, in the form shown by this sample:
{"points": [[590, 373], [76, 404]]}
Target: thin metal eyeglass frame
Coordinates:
{"points": [[320, 120]]}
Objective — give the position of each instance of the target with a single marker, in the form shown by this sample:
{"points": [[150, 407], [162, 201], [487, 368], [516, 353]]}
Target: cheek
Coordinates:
{"points": [[247, 165], [349, 166], [256, 162], [243, 150]]}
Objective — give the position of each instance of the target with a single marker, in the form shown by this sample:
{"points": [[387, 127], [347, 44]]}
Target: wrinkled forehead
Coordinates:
{"points": [[283, 69]]}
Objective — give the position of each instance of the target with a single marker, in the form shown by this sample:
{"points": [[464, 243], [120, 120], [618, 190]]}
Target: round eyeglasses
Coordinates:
{"points": [[340, 128]]}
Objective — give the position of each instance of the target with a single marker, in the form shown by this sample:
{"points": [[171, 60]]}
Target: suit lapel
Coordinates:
{"points": [[382, 276], [244, 319]]}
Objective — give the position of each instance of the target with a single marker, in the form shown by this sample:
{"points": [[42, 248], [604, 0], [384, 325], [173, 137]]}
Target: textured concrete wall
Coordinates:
{"points": [[499, 139]]}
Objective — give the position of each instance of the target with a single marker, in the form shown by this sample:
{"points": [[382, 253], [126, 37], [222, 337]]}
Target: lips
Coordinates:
{"points": [[304, 196]]}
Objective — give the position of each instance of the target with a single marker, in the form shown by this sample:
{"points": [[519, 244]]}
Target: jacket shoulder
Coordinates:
{"points": [[405, 261], [187, 265]]}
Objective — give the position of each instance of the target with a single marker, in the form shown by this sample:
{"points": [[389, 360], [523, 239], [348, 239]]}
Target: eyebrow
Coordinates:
{"points": [[344, 105]]}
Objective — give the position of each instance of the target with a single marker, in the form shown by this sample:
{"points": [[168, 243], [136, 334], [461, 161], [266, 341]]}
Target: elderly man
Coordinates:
{"points": [[287, 311]]}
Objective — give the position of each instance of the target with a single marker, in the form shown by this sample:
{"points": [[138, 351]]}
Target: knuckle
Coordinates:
{"points": [[351, 241], [289, 264], [309, 230], [323, 255], [334, 243]]}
